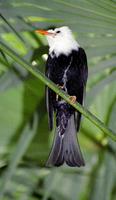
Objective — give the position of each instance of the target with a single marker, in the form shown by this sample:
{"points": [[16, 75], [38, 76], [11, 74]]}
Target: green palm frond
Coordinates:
{"points": [[22, 97]]}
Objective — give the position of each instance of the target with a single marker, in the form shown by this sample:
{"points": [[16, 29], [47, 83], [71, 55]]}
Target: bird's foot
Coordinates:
{"points": [[60, 87], [73, 99]]}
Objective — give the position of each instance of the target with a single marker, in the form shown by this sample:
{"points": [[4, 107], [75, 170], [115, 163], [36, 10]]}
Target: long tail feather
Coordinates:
{"points": [[66, 147]]}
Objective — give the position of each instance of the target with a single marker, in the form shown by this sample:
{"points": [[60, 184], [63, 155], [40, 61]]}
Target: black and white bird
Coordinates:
{"points": [[67, 67]]}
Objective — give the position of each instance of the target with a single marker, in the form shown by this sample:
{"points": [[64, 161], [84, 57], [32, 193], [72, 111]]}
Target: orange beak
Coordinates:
{"points": [[43, 32]]}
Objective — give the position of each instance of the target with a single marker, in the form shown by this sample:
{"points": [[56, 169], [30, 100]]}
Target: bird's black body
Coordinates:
{"points": [[69, 71]]}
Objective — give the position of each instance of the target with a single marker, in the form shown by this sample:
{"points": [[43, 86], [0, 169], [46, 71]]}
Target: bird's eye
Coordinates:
{"points": [[57, 31]]}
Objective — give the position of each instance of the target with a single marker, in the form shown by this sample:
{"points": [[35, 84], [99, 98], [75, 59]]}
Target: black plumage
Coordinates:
{"points": [[70, 72]]}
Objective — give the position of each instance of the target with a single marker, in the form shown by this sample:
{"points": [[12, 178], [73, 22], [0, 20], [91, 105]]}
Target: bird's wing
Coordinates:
{"points": [[49, 96], [83, 68]]}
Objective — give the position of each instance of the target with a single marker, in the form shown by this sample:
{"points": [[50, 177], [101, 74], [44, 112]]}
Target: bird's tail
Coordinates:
{"points": [[65, 147]]}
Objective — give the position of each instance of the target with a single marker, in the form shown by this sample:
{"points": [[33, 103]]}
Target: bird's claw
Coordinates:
{"points": [[60, 87], [73, 99]]}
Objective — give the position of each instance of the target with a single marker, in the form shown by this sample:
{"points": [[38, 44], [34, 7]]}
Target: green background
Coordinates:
{"points": [[25, 140]]}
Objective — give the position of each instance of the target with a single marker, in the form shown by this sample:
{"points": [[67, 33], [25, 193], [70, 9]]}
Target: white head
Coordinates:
{"points": [[60, 40]]}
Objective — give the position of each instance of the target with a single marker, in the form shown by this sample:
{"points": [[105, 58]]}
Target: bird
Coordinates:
{"points": [[67, 67]]}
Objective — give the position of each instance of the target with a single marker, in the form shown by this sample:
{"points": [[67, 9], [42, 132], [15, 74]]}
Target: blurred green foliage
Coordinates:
{"points": [[25, 140]]}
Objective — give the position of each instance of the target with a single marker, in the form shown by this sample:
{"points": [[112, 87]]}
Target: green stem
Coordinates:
{"points": [[61, 93]]}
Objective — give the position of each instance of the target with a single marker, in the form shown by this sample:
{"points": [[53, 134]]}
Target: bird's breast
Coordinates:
{"points": [[59, 68]]}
